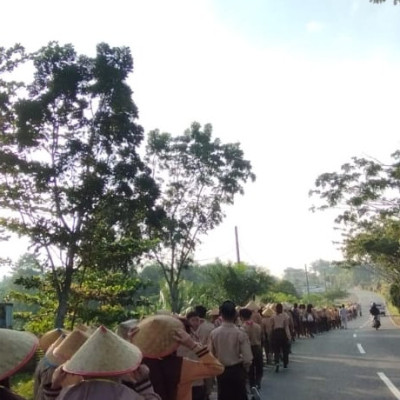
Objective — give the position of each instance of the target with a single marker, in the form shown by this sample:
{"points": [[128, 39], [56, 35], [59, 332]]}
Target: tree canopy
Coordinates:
{"points": [[197, 175], [71, 179], [383, 1], [366, 194]]}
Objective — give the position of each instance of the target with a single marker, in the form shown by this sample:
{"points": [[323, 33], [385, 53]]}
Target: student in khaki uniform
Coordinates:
{"points": [[231, 346], [254, 332], [203, 332], [280, 336]]}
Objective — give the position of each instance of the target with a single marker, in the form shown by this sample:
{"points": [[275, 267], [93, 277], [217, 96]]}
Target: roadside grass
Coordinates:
{"points": [[394, 313]]}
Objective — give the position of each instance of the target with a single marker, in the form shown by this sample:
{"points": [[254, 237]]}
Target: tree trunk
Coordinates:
{"points": [[174, 294], [63, 297]]}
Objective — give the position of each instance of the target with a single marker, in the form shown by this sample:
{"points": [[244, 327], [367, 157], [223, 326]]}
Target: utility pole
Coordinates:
{"points": [[308, 286], [237, 245]]}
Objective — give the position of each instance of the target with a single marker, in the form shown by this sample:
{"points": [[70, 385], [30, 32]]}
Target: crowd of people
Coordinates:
{"points": [[168, 357]]}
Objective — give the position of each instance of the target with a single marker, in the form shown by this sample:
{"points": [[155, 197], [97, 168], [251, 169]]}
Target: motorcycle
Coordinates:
{"points": [[376, 323]]}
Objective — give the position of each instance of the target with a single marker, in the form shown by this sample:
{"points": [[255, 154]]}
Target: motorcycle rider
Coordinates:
{"points": [[374, 311]]}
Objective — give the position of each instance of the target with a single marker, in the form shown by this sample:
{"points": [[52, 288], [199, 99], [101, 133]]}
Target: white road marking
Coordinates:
{"points": [[389, 384], [360, 348], [354, 334]]}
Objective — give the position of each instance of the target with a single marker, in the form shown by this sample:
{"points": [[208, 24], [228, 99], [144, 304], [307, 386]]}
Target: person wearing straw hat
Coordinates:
{"points": [[110, 367], [203, 332], [45, 368], [59, 352], [50, 337], [158, 337], [254, 307], [231, 346], [20, 348]]}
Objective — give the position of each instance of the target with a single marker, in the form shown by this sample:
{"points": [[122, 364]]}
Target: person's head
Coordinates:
{"points": [[295, 305], [279, 308], [193, 319], [342, 305], [201, 311], [228, 311], [245, 314]]}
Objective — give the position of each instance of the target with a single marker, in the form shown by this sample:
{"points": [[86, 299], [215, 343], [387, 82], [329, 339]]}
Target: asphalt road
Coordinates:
{"points": [[355, 364]]}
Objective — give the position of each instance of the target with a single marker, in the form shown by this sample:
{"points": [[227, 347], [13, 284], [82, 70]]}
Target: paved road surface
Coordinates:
{"points": [[350, 364]]}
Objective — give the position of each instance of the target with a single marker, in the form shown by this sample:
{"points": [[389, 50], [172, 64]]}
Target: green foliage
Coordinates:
{"points": [[22, 384], [278, 297], [71, 178], [197, 176], [368, 193], [285, 287], [237, 282], [394, 294], [334, 294], [97, 297]]}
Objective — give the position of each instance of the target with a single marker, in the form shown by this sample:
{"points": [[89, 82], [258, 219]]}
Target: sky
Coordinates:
{"points": [[302, 85]]}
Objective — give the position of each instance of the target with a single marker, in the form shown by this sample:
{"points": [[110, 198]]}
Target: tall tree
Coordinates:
{"points": [[71, 178], [383, 1], [197, 176], [366, 194]]}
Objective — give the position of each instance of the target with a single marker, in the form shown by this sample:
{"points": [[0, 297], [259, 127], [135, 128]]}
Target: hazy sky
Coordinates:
{"points": [[303, 85]]}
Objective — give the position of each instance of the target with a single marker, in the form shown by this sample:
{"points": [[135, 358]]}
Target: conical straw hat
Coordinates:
{"points": [[104, 354], [17, 348], [252, 305], [155, 336], [70, 345], [268, 312], [50, 357], [214, 312], [50, 337]]}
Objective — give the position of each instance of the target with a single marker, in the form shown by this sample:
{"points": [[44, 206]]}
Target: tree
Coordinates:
{"points": [[197, 176], [238, 282], [71, 178], [366, 192], [286, 287], [383, 1]]}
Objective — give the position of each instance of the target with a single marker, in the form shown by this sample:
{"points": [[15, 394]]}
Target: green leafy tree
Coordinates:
{"points": [[366, 195], [71, 179], [286, 287], [239, 283], [197, 176], [383, 1]]}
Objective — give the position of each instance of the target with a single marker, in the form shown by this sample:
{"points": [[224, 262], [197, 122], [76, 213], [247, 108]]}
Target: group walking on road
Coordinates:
{"points": [[222, 352]]}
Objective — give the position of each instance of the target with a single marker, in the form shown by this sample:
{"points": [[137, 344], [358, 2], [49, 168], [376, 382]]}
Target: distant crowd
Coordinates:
{"points": [[221, 352]]}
